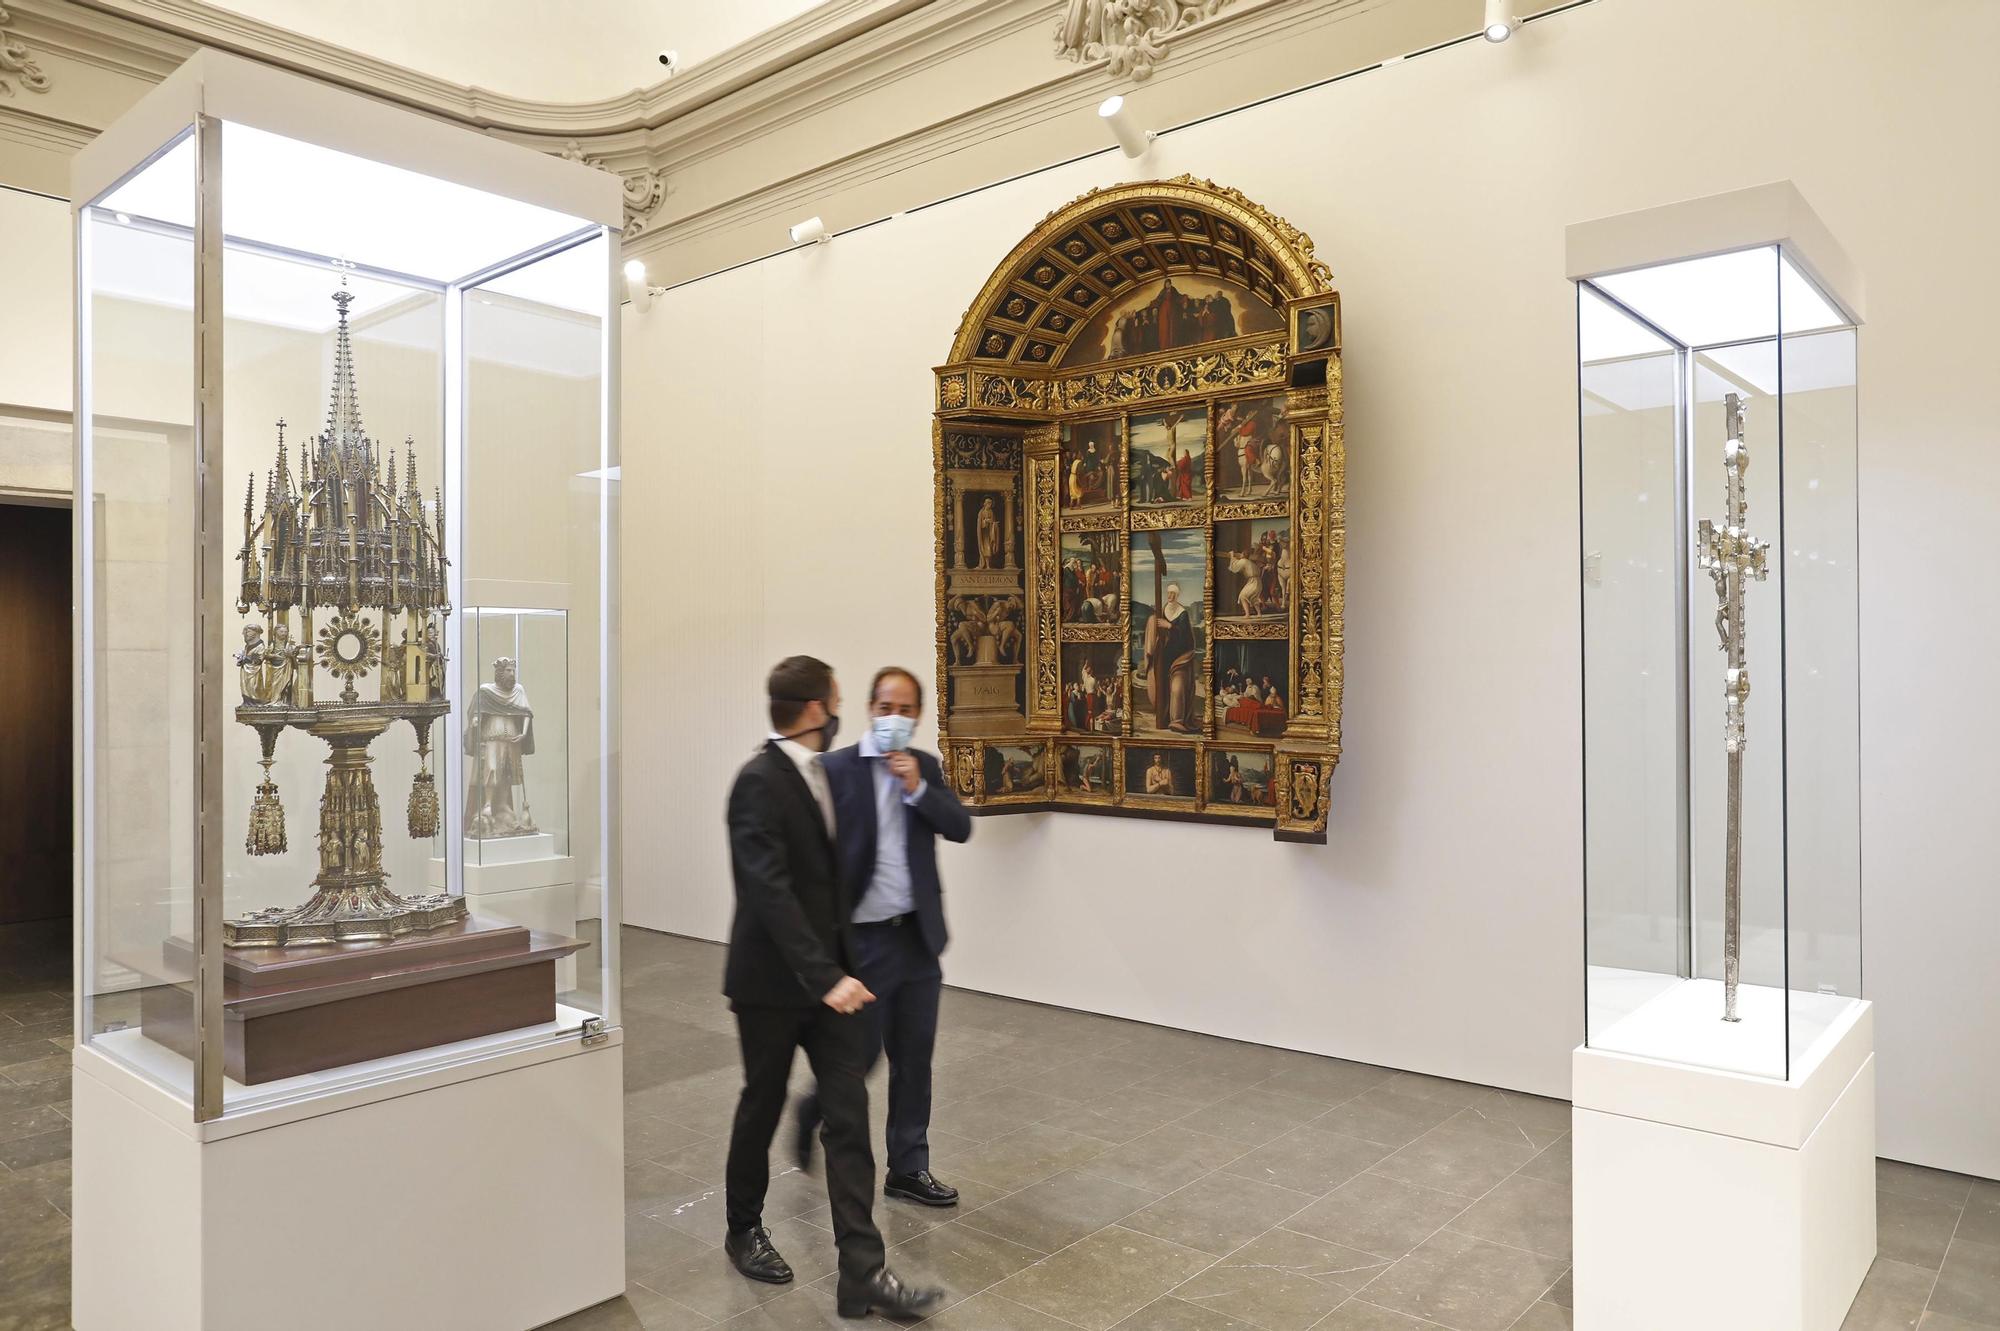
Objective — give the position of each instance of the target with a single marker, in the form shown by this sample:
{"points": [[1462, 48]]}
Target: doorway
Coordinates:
{"points": [[35, 712]]}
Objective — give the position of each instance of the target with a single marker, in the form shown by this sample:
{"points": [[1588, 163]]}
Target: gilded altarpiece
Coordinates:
{"points": [[1140, 490]]}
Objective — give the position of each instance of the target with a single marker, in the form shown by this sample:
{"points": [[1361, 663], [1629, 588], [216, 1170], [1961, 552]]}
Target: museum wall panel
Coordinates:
{"points": [[777, 419]]}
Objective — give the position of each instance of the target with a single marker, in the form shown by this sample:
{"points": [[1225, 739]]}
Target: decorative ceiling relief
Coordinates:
{"points": [[1129, 34], [17, 62], [645, 188]]}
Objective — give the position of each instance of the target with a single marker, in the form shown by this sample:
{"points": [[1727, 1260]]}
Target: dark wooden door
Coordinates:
{"points": [[35, 681]]}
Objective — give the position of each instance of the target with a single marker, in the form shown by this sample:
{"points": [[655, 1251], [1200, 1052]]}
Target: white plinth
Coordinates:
{"points": [[1715, 1198], [484, 1197]]}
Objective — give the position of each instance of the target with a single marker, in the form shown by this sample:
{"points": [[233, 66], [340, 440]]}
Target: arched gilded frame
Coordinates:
{"points": [[1143, 403]]}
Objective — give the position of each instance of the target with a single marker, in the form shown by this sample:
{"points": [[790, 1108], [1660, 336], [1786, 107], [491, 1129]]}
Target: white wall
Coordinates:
{"points": [[778, 476], [37, 328]]}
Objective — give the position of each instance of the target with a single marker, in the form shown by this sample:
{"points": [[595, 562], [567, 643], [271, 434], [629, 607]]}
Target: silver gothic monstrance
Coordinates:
{"points": [[1729, 554]]}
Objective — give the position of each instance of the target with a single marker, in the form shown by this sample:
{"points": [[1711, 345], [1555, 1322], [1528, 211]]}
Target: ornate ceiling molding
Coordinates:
{"points": [[1129, 35], [17, 62], [645, 188]]}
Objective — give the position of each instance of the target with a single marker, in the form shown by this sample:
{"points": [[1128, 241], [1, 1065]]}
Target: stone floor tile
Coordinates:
{"points": [[1545, 1317], [1102, 1280], [651, 1137], [1378, 1215], [899, 1220], [1470, 1120], [1330, 1081], [1521, 1213], [1119, 1117], [638, 1309], [1969, 1285], [1219, 1213], [41, 1069], [1552, 1165], [990, 1312], [1980, 1222], [1308, 1160], [1172, 1314], [1165, 1159], [1253, 1117], [36, 1149], [1197, 1087], [1358, 1315], [1026, 1156], [1563, 1292], [648, 1186], [1381, 1115], [1892, 1298], [1092, 1078], [1283, 1280], [995, 1113], [810, 1308], [1913, 1231], [652, 1246], [1936, 1321], [712, 1290], [962, 1260], [30, 1121], [1056, 1212], [1926, 1185], [1442, 1090], [1457, 1162], [1464, 1283]]}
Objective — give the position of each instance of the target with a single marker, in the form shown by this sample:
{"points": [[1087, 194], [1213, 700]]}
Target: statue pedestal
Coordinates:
{"points": [[1716, 1198], [985, 700]]}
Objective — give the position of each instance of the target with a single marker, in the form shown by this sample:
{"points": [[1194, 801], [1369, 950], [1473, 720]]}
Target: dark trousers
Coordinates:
{"points": [[838, 1048], [905, 978]]}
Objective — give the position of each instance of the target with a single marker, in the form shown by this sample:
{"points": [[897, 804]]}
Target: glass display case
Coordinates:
{"points": [[1720, 663], [332, 405]]}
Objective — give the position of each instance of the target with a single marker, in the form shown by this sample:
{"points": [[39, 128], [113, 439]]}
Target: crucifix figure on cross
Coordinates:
{"points": [[1729, 555]]}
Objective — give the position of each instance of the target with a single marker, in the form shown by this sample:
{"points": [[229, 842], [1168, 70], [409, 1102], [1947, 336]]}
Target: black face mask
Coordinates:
{"points": [[828, 730]]}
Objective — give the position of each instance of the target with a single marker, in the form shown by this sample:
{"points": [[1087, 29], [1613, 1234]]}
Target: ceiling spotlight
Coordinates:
{"points": [[636, 289], [810, 232], [1132, 140], [1500, 20]]}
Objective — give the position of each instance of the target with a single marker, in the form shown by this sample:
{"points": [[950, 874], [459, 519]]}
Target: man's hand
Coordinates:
{"points": [[903, 765], [848, 997]]}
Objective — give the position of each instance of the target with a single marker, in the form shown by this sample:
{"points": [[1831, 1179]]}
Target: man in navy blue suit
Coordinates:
{"points": [[892, 803]]}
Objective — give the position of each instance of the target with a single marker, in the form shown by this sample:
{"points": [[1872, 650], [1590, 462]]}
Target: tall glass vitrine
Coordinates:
{"points": [[384, 356], [1720, 585]]}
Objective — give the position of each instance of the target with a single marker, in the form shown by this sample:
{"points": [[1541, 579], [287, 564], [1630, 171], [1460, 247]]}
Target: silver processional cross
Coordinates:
{"points": [[1729, 555]]}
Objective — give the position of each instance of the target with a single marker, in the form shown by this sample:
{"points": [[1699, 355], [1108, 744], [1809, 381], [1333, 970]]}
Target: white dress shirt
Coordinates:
{"points": [[807, 761]]}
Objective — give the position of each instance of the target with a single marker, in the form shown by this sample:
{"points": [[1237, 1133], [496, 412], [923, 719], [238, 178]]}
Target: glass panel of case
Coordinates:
{"points": [[371, 410], [1722, 859], [136, 517]]}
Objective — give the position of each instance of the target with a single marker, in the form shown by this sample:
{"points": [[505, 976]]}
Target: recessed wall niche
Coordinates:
{"points": [[1140, 540]]}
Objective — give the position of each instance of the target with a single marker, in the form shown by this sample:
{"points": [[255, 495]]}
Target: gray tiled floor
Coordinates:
{"points": [[1116, 1177]]}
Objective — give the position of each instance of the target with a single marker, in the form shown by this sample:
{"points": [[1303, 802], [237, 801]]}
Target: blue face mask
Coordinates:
{"points": [[892, 733]]}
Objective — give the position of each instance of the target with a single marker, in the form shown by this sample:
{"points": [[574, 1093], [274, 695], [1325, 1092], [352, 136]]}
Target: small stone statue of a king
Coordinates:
{"points": [[499, 732]]}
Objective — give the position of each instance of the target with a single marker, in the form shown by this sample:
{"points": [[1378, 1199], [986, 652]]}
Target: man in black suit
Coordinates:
{"points": [[893, 803], [790, 981]]}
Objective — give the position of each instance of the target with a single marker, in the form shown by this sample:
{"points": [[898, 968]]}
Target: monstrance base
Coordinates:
{"points": [[344, 917]]}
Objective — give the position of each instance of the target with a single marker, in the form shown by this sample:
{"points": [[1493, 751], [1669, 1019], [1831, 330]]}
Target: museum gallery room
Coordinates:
{"points": [[1047, 806]]}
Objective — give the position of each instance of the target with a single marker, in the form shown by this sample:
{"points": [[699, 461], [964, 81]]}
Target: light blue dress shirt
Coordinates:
{"points": [[888, 893]]}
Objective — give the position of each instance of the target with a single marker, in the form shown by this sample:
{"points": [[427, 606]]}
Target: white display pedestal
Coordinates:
{"points": [[486, 1194], [1721, 1199], [521, 879]]}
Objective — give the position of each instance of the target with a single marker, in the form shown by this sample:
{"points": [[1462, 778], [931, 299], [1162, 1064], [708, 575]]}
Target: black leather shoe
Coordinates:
{"points": [[754, 1256], [804, 1128], [887, 1295], [920, 1187]]}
